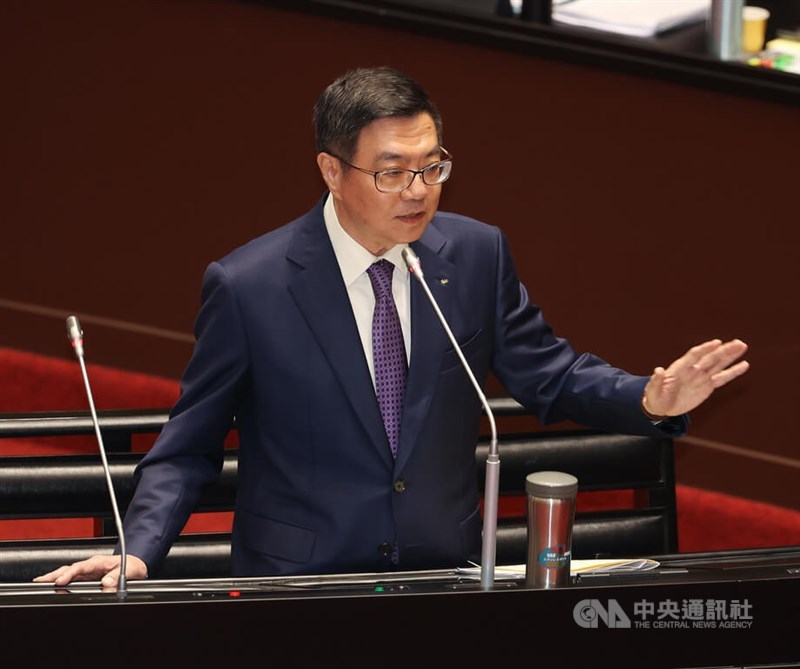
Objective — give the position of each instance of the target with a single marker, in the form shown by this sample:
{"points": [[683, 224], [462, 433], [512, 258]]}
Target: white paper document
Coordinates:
{"points": [[516, 571], [636, 18]]}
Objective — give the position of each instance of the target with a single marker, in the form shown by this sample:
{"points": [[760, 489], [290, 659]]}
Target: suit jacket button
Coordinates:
{"points": [[399, 485], [385, 550]]}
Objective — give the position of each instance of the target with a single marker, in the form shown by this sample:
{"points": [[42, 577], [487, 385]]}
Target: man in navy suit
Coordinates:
{"points": [[285, 347]]}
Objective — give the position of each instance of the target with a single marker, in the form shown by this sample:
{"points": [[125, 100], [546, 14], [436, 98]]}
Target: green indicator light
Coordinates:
{"points": [[379, 588]]}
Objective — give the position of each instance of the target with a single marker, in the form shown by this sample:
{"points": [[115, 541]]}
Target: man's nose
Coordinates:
{"points": [[417, 189]]}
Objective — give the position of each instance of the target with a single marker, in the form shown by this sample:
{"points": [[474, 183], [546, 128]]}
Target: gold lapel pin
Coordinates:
{"points": [[444, 281]]}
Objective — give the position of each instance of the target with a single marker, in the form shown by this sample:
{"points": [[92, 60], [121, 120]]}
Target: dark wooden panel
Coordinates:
{"points": [[142, 140]]}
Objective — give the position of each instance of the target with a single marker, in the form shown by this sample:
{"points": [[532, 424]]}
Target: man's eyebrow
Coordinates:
{"points": [[389, 155]]}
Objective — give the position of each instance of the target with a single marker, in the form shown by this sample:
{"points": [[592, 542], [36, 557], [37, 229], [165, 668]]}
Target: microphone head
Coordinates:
{"points": [[74, 331], [75, 335], [412, 262]]}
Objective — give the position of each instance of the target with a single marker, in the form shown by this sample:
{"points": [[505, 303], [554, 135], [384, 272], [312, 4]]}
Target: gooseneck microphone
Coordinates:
{"points": [[75, 335], [492, 479]]}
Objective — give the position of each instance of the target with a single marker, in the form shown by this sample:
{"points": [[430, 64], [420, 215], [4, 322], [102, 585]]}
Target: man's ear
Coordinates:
{"points": [[331, 171]]}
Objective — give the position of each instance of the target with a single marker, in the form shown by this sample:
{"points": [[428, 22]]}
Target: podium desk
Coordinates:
{"points": [[737, 608]]}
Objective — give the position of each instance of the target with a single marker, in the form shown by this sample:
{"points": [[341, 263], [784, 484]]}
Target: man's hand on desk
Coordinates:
{"points": [[104, 568], [690, 380]]}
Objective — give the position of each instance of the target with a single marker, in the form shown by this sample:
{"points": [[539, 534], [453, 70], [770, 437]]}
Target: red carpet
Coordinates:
{"points": [[706, 520]]}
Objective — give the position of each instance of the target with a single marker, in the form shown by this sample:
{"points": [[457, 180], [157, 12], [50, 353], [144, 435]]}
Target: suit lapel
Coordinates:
{"points": [[320, 294], [428, 339]]}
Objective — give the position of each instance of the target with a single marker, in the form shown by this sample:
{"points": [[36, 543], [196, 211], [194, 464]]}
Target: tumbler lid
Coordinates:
{"points": [[551, 484]]}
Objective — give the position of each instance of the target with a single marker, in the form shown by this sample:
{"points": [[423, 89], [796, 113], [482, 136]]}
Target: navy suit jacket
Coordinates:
{"points": [[277, 348]]}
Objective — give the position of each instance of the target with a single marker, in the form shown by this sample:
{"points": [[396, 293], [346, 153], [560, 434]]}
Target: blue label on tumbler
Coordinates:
{"points": [[554, 557]]}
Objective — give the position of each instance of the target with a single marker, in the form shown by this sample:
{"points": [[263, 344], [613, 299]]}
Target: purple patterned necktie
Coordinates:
{"points": [[388, 351]]}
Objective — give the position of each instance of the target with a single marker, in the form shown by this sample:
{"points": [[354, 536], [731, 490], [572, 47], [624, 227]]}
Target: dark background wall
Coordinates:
{"points": [[141, 140]]}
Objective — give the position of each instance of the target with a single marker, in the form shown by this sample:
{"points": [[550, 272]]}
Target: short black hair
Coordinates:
{"points": [[364, 95]]}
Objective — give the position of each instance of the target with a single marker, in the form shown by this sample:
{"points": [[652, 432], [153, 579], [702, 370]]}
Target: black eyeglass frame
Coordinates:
{"points": [[447, 159]]}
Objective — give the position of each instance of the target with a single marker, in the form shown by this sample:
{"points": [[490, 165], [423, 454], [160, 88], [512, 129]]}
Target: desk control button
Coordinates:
{"points": [[399, 485]]}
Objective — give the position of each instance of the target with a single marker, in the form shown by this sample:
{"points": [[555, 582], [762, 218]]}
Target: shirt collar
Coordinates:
{"points": [[353, 258]]}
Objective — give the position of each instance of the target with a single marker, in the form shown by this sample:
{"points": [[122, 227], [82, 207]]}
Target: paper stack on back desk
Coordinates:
{"points": [[637, 18], [516, 571]]}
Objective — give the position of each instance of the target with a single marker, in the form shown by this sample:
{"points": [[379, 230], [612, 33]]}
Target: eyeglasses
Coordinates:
{"points": [[397, 180]]}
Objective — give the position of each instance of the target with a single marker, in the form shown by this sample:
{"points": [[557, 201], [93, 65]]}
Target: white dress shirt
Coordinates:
{"points": [[353, 261]]}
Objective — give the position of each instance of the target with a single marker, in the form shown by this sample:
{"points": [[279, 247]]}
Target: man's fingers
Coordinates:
{"points": [[105, 568], [719, 359], [708, 358], [85, 570], [656, 377], [64, 574], [135, 568], [51, 575], [690, 379], [721, 378], [692, 357], [111, 579], [697, 353]]}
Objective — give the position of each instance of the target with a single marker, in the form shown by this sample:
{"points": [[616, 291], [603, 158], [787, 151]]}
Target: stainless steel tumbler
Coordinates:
{"points": [[724, 29], [551, 511]]}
